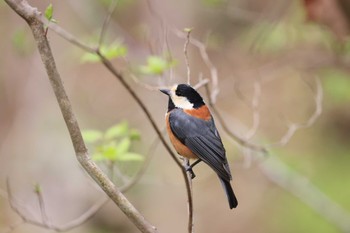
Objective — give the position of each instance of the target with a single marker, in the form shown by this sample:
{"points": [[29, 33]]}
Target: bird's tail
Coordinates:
{"points": [[232, 200]]}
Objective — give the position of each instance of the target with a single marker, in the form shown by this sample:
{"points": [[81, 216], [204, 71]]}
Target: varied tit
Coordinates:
{"points": [[192, 132]]}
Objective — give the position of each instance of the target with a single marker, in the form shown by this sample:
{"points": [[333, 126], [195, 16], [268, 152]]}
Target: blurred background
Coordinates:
{"points": [[283, 78]]}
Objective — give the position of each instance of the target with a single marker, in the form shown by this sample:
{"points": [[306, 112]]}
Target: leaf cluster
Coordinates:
{"points": [[114, 144]]}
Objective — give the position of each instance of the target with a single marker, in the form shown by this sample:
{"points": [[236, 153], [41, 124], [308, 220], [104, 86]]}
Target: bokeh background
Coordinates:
{"points": [[278, 62]]}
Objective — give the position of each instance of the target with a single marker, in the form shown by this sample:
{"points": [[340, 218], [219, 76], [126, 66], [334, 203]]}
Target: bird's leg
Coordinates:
{"points": [[189, 167]]}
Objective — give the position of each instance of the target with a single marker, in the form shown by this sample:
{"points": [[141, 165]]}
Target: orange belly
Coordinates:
{"points": [[179, 147]]}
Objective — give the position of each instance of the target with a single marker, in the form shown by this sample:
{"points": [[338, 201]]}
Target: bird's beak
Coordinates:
{"points": [[165, 91]]}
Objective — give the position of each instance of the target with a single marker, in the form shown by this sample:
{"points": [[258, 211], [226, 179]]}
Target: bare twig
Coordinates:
{"points": [[164, 29], [213, 70], [111, 10], [255, 109], [293, 127], [45, 223], [235, 137], [64, 34], [44, 216], [201, 83], [188, 38], [31, 15]]}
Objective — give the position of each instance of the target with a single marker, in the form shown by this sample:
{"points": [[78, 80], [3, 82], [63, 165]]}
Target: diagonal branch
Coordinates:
{"points": [[31, 16]]}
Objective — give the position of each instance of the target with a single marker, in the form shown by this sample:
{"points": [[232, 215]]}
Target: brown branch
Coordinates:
{"points": [[120, 77], [45, 223], [31, 16]]}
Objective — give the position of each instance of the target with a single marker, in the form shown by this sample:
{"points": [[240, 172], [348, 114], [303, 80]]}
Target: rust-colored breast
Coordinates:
{"points": [[202, 112], [179, 147]]}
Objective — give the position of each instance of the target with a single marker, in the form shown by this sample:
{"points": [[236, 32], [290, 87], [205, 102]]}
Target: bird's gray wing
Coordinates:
{"points": [[202, 138]]}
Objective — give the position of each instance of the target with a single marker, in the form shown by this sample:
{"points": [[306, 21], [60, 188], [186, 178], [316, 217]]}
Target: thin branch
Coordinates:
{"points": [[44, 216], [255, 108], [293, 127], [145, 165], [31, 15], [201, 83], [231, 134], [64, 34], [188, 38], [213, 70], [164, 29], [45, 223], [111, 10], [120, 77]]}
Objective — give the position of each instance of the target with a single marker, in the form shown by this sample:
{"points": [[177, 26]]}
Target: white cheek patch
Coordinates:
{"points": [[181, 102]]}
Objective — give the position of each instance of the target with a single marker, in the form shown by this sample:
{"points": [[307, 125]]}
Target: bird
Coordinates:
{"points": [[192, 132]]}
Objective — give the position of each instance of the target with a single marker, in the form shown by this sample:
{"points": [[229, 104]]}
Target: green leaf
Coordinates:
{"points": [[117, 131], [123, 146], [109, 152], [115, 50], [155, 66], [134, 134], [90, 57], [49, 12], [91, 136], [130, 156]]}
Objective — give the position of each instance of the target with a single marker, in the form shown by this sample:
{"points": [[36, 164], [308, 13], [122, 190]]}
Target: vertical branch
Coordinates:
{"points": [[188, 30], [111, 10], [186, 161], [39, 194]]}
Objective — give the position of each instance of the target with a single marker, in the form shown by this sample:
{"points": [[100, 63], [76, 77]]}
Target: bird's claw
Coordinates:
{"points": [[190, 171]]}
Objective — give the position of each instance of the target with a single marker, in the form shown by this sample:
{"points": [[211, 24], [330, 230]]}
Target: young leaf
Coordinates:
{"points": [[155, 66], [110, 152], [115, 50], [123, 146], [90, 57], [130, 156], [91, 136], [134, 134], [117, 131], [49, 12]]}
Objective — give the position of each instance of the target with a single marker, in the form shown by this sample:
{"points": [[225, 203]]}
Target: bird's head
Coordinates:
{"points": [[183, 96]]}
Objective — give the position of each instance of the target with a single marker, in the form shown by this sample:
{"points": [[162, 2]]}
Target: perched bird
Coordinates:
{"points": [[192, 132]]}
